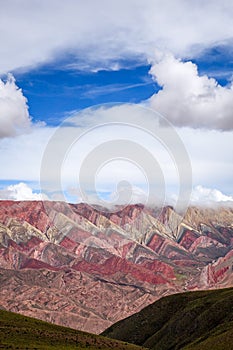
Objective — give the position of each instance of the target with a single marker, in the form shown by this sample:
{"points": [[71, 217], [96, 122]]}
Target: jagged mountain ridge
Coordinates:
{"points": [[77, 266]]}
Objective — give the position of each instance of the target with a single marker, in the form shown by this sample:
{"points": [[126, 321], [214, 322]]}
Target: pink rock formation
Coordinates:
{"points": [[84, 268]]}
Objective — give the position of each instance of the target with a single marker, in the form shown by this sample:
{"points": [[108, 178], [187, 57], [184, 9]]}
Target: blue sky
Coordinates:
{"points": [[54, 89], [64, 57]]}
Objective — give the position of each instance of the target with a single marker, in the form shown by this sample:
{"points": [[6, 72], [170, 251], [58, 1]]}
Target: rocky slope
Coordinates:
{"points": [[200, 320], [88, 268]]}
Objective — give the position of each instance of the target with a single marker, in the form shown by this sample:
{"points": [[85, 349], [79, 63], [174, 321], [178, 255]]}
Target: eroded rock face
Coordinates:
{"points": [[83, 268]]}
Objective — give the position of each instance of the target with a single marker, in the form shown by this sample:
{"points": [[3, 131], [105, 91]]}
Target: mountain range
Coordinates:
{"points": [[87, 268]]}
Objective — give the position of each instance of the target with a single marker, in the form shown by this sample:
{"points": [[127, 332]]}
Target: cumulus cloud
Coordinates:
{"points": [[203, 195], [102, 32], [20, 192], [188, 99], [14, 116]]}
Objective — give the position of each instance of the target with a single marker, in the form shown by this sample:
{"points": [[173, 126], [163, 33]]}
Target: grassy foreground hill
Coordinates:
{"points": [[190, 321], [21, 332]]}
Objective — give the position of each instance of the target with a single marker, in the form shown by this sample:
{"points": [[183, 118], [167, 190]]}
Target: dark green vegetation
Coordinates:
{"points": [[20, 332], [193, 320]]}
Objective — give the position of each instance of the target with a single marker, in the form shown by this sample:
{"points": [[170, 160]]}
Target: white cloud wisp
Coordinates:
{"points": [[208, 196], [20, 192]]}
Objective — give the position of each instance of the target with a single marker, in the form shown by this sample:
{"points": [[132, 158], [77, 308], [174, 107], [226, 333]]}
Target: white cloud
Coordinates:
{"points": [[188, 99], [211, 159], [205, 195], [21, 157], [202, 146], [20, 192], [14, 116], [102, 32]]}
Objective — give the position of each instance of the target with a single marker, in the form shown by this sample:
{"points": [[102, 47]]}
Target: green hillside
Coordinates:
{"points": [[193, 320], [20, 332]]}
